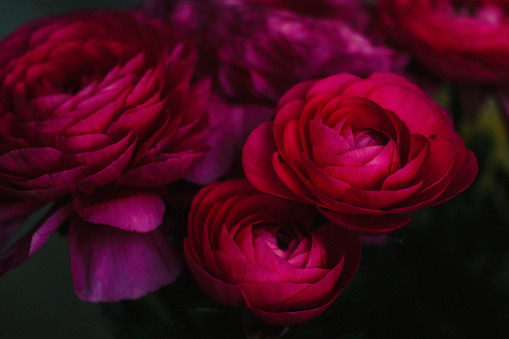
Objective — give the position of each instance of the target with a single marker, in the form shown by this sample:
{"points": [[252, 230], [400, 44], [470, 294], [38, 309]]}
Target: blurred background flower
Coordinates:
{"points": [[256, 50]]}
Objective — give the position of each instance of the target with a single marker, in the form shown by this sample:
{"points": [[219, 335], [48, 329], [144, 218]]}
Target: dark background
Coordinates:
{"points": [[445, 275]]}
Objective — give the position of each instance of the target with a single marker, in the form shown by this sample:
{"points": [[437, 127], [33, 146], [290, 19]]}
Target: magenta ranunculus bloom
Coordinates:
{"points": [[254, 250], [98, 113], [256, 50], [457, 40], [363, 150]]}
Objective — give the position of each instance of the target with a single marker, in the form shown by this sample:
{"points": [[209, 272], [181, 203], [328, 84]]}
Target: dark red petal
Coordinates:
{"points": [[334, 85], [461, 180], [319, 293], [289, 112], [102, 116], [297, 92], [36, 161], [140, 120], [292, 148], [323, 136], [298, 185], [362, 155], [329, 185], [379, 199], [366, 224], [235, 270], [257, 160], [110, 173], [270, 297], [288, 318], [323, 158], [228, 294], [405, 175]]}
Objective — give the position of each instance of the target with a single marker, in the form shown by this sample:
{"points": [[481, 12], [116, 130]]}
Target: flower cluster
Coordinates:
{"points": [[294, 119]]}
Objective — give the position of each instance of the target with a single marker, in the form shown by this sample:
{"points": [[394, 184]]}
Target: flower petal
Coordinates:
{"points": [[366, 224], [130, 210], [109, 264], [257, 160], [227, 294], [29, 244]]}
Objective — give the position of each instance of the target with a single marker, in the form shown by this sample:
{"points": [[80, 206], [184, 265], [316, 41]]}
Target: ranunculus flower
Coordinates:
{"points": [[98, 113], [457, 40], [363, 150], [256, 50], [257, 251]]}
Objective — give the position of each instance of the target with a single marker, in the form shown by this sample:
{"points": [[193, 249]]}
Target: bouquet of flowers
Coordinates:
{"points": [[224, 163]]}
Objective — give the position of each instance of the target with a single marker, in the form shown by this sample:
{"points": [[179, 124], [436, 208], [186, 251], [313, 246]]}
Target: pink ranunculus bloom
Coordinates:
{"points": [[457, 40], [97, 114], [256, 251], [363, 150], [256, 50]]}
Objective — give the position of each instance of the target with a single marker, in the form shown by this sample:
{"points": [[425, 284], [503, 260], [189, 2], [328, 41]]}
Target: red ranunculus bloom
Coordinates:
{"points": [[256, 50], [362, 150], [254, 250], [98, 113], [457, 40]]}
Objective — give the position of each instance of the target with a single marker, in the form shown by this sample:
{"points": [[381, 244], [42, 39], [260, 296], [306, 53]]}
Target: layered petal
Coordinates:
{"points": [[86, 108], [258, 251], [363, 151]]}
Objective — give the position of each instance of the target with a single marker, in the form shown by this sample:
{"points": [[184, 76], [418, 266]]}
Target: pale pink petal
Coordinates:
{"points": [[129, 210]]}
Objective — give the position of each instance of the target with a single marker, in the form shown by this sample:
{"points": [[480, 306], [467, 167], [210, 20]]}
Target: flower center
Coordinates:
{"points": [[283, 239], [280, 240], [369, 138]]}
